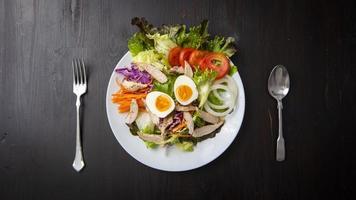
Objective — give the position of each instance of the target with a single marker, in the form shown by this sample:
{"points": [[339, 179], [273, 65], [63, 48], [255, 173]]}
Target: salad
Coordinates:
{"points": [[178, 88]]}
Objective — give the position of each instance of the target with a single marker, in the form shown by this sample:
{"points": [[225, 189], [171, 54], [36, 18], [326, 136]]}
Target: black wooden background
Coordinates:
{"points": [[315, 40]]}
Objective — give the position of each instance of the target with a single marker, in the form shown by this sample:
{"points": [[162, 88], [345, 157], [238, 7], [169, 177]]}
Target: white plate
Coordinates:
{"points": [[173, 159]]}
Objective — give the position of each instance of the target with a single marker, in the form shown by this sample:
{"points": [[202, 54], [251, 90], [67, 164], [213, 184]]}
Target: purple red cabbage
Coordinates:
{"points": [[134, 74], [177, 119]]}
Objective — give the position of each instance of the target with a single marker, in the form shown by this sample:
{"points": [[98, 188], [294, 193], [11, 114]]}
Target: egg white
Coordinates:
{"points": [[185, 80], [151, 104]]}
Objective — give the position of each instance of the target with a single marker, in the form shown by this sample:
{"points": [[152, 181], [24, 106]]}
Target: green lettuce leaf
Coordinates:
{"points": [[180, 36], [171, 30], [166, 87], [162, 43], [185, 146], [196, 36], [138, 43], [144, 123], [133, 128], [233, 70], [197, 120], [148, 57], [150, 145], [204, 80], [143, 25], [222, 45]]}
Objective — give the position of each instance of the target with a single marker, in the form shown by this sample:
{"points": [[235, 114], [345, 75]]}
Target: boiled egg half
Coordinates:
{"points": [[185, 90], [159, 103]]}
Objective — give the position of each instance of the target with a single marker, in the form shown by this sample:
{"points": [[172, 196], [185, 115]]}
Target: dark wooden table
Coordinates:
{"points": [[315, 40]]}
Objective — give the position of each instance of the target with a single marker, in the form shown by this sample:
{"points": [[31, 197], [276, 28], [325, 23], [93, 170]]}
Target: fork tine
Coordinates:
{"points": [[75, 72], [80, 72], [84, 71]]}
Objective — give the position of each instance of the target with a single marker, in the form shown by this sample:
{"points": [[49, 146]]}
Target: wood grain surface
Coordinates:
{"points": [[315, 40]]}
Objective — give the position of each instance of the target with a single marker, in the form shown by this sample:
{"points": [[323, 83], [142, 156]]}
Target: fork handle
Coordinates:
{"points": [[280, 150], [78, 163]]}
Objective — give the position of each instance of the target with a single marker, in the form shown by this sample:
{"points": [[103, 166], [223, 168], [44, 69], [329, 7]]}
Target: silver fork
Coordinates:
{"points": [[79, 88]]}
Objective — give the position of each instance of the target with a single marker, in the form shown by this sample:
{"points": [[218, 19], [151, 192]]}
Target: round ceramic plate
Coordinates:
{"points": [[172, 158]]}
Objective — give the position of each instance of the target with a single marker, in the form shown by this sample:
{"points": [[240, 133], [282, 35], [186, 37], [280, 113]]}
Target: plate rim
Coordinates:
{"points": [[240, 106]]}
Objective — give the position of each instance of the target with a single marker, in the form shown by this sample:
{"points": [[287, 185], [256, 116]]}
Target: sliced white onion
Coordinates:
{"points": [[224, 96], [214, 106], [221, 81], [219, 86], [218, 114], [214, 89], [230, 83], [231, 96], [228, 97]]}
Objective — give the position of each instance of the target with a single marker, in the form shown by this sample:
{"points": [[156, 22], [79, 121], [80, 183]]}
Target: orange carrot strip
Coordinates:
{"points": [[179, 127]]}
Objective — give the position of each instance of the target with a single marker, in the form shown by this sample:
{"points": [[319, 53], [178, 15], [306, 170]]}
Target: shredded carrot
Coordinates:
{"points": [[179, 127], [128, 97], [125, 106], [123, 98]]}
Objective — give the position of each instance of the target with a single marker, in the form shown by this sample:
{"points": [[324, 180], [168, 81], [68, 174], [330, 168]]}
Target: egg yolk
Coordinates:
{"points": [[162, 103], [184, 92]]}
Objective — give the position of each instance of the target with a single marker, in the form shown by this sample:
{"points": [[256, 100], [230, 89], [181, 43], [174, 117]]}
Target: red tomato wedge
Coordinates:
{"points": [[173, 56], [195, 57], [184, 55], [217, 62]]}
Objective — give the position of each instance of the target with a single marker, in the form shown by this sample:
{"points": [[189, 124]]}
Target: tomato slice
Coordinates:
{"points": [[195, 57], [173, 56], [217, 62], [184, 55]]}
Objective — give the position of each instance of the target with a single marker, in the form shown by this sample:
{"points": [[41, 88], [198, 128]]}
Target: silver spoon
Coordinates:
{"points": [[278, 87]]}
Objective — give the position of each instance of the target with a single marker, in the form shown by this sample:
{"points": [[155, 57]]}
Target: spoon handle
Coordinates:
{"points": [[280, 151]]}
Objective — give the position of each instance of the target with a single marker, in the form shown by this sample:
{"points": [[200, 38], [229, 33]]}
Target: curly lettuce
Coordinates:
{"points": [[171, 30], [149, 57], [195, 37], [222, 45], [168, 36], [162, 43], [139, 42], [143, 25]]}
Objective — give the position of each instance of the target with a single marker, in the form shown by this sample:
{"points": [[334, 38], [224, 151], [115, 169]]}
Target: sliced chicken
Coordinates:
{"points": [[177, 69], [151, 137], [133, 86], [189, 120], [119, 79], [132, 115], [154, 72], [164, 124], [208, 117], [185, 108], [188, 70], [205, 130]]}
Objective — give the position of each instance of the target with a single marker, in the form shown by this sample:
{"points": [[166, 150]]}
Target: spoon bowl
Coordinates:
{"points": [[278, 82]]}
